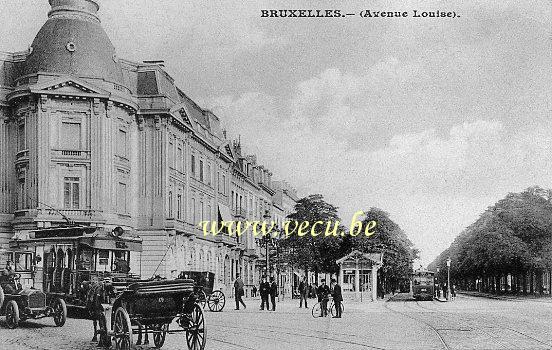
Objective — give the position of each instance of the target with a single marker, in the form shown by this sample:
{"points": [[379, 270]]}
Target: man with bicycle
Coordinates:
{"points": [[337, 297], [323, 292]]}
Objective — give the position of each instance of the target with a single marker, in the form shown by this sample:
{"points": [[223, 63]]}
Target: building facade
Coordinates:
{"points": [[93, 139]]}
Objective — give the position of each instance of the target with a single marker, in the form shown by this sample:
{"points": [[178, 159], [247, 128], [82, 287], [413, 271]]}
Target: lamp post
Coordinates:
{"points": [[448, 279], [266, 240], [438, 291]]}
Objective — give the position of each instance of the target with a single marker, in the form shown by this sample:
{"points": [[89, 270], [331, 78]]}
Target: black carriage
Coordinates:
{"points": [[204, 285], [20, 304], [150, 307]]}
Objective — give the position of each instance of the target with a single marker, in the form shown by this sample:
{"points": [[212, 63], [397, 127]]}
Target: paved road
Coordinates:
{"points": [[467, 323]]}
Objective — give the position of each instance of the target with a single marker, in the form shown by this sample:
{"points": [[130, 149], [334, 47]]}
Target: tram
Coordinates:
{"points": [[423, 284], [62, 260]]}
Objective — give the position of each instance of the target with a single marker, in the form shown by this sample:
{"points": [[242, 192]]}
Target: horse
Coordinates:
{"points": [[98, 293]]}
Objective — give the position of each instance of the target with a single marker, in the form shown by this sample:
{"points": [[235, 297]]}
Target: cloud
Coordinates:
{"points": [[433, 182]]}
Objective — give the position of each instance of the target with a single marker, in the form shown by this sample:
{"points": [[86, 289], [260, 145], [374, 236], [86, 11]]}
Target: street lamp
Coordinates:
{"points": [[265, 241], [448, 279], [438, 291]]}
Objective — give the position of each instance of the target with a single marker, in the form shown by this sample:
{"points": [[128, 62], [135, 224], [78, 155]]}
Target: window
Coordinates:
{"points": [[23, 262], [179, 206], [171, 154], [209, 213], [180, 159], [71, 193], [193, 165], [223, 184], [21, 137], [103, 257], [202, 211], [122, 198], [218, 182], [201, 170], [122, 144], [170, 204], [193, 211], [209, 174], [22, 195], [70, 136]]}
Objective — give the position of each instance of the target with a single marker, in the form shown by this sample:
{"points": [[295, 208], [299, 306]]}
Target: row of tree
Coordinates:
{"points": [[508, 248], [319, 254]]}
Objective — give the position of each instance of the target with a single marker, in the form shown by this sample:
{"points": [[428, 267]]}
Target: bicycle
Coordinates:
{"points": [[317, 309]]}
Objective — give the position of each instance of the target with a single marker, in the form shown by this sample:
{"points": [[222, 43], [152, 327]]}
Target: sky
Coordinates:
{"points": [[432, 120]]}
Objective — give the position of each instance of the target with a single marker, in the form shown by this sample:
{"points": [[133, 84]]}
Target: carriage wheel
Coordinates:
{"points": [[216, 301], [12, 314], [316, 310], [60, 312], [122, 330], [160, 334], [195, 333], [202, 299]]}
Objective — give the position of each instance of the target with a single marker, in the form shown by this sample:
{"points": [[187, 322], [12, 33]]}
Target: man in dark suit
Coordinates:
{"points": [[303, 292], [273, 293], [264, 289], [238, 292], [337, 298], [323, 291]]}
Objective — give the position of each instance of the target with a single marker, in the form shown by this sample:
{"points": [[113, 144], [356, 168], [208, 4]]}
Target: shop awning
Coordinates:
{"points": [[224, 213]]}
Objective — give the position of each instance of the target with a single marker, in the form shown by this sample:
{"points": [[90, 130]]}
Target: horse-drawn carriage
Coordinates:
{"points": [[204, 285], [149, 308]]}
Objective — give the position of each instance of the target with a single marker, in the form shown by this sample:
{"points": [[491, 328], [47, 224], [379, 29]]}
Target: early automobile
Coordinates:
{"points": [[20, 304]]}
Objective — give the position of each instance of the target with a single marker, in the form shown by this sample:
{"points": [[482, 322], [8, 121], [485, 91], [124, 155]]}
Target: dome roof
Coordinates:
{"points": [[72, 41]]}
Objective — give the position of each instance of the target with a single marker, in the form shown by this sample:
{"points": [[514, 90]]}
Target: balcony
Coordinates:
{"points": [[239, 213], [70, 154]]}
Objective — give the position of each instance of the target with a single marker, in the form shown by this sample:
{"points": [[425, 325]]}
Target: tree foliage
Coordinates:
{"points": [[515, 234]]}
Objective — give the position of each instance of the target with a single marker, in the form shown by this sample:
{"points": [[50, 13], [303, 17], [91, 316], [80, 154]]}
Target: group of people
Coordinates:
{"points": [[442, 288], [270, 289], [323, 292], [266, 290]]}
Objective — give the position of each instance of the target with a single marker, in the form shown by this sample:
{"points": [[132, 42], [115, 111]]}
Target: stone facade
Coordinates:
{"points": [[92, 139]]}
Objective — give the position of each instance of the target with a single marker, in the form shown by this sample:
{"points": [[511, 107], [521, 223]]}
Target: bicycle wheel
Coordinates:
{"points": [[316, 310], [333, 309]]}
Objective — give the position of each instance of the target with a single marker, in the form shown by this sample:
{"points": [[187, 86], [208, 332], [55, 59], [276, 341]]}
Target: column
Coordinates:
{"points": [[357, 282]]}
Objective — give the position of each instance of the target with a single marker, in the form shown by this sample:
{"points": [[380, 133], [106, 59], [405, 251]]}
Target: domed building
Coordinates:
{"points": [[92, 141]]}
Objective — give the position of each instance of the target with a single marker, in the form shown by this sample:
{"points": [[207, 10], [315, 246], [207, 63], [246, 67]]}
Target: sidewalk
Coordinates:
{"points": [[537, 298]]}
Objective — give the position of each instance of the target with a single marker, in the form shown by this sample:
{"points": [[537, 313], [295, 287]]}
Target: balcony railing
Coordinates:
{"points": [[239, 213], [65, 153]]}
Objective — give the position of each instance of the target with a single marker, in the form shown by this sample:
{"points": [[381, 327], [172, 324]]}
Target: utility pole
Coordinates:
{"points": [[448, 279]]}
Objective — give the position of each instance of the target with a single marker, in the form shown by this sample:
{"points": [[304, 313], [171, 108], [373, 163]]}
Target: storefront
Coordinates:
{"points": [[358, 275]]}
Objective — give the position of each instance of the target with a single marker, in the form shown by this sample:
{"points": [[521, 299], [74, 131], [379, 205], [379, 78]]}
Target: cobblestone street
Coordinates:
{"points": [[467, 323]]}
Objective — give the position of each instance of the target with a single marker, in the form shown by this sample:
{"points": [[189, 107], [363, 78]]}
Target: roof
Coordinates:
{"points": [[375, 257], [72, 41]]}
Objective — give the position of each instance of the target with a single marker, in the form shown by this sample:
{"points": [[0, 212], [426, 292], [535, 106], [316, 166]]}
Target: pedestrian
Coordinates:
{"points": [[273, 293], [323, 292], [254, 291], [239, 292], [264, 290], [453, 292], [337, 298], [303, 292]]}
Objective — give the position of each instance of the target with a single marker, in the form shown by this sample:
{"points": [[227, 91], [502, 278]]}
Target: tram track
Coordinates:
{"points": [[430, 326], [312, 336], [470, 326]]}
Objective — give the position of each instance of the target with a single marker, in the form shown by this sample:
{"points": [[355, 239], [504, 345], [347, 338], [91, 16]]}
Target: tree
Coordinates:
{"points": [[398, 251], [512, 237], [318, 254]]}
